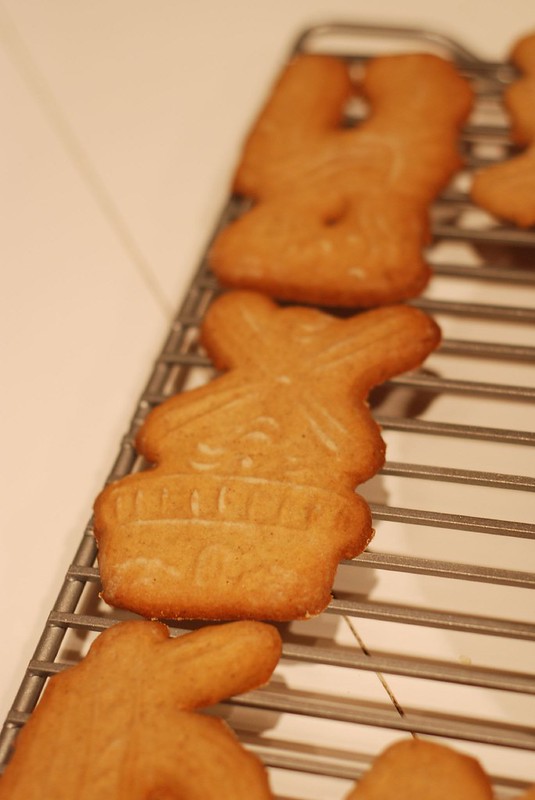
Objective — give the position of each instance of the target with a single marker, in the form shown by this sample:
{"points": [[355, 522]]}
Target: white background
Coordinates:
{"points": [[121, 124]]}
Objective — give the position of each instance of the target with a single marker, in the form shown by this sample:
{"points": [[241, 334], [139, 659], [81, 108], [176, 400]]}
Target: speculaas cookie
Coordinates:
{"points": [[340, 215], [121, 724], [414, 769], [251, 504], [507, 189]]}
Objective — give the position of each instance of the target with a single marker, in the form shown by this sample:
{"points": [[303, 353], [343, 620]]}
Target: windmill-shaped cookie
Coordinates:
{"points": [[507, 189], [122, 724], [251, 504], [340, 214]]}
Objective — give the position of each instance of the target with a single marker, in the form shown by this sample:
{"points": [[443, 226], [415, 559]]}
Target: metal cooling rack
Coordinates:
{"points": [[431, 632]]}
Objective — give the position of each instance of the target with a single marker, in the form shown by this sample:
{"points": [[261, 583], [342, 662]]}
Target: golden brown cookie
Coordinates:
{"points": [[121, 725], [251, 504], [418, 770], [340, 215], [507, 189]]}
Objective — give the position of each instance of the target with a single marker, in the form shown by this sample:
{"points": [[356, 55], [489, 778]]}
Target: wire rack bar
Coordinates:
{"points": [[461, 522], [443, 569]]}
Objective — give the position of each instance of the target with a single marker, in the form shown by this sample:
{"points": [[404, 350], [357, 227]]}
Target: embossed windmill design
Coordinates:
{"points": [[251, 504]]}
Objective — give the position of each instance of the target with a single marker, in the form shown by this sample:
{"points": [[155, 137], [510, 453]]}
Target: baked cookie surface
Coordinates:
{"points": [[417, 769], [507, 189], [251, 503], [340, 215], [121, 724]]}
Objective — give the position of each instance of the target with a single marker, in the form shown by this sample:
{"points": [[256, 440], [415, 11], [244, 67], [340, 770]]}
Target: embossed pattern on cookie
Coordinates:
{"points": [[121, 724], [340, 215], [507, 189], [251, 504]]}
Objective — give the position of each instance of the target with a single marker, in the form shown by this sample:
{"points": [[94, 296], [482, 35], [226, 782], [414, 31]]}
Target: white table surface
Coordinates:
{"points": [[122, 121]]}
